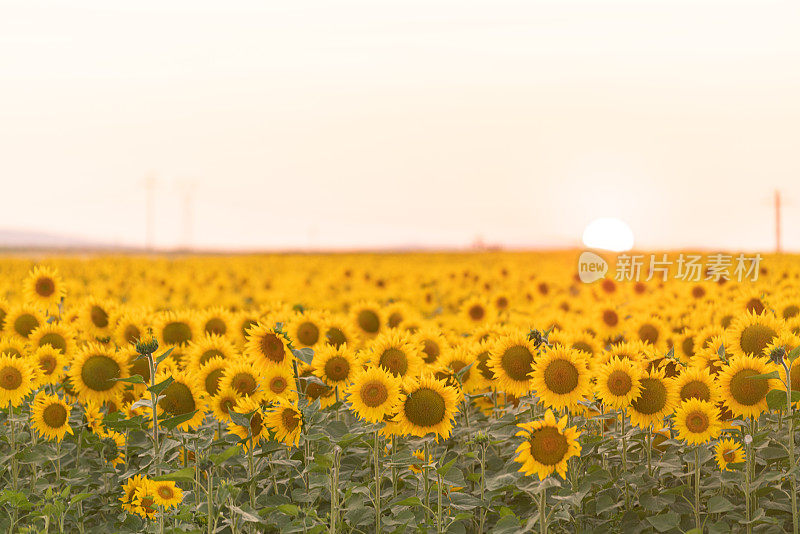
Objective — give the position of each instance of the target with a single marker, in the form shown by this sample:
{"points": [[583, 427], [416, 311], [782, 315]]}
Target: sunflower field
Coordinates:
{"points": [[367, 393]]}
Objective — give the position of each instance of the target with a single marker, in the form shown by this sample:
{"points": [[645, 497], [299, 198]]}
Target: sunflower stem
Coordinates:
{"points": [[154, 401], [210, 501], [649, 450], [376, 457], [624, 457], [439, 526], [483, 485], [394, 467], [697, 486], [748, 454], [250, 482], [790, 428], [425, 480], [337, 459], [542, 511]]}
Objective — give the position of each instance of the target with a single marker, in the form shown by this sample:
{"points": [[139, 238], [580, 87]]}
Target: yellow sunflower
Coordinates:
{"points": [[742, 395], [130, 326], [547, 447], [176, 328], [338, 331], [209, 346], [17, 379], [697, 383], [129, 492], [728, 452], [50, 416], [183, 396], [428, 407], [750, 334], [397, 352], [560, 378], [216, 321], [267, 347], [51, 364], [511, 361], [279, 383], [474, 311], [456, 359], [433, 343], [144, 501], [244, 377], [305, 330], [23, 320], [335, 366], [656, 399], [223, 402], [374, 394], [93, 370], [56, 334], [367, 318], [286, 422], [44, 287], [13, 346], [210, 374], [255, 432], [165, 493], [619, 383], [96, 317], [697, 421]]}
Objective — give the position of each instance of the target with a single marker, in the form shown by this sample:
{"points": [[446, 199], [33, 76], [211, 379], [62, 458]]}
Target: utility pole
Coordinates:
{"points": [[777, 221], [150, 201]]}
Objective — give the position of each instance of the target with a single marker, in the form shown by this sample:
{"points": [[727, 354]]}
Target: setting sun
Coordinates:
{"points": [[608, 233]]}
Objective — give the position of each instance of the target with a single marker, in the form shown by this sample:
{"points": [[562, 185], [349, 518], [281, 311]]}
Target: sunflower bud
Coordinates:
{"points": [[147, 344]]}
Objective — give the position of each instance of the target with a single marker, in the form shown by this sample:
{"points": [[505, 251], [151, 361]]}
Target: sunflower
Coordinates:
{"points": [[176, 328], [144, 501], [129, 492], [94, 416], [216, 321], [13, 346], [183, 396], [23, 320], [474, 311], [374, 394], [93, 370], [428, 407], [649, 330], [631, 350], [130, 326], [656, 399], [547, 447], [50, 416], [243, 322], [454, 360], [255, 431], [511, 361], [335, 366], [115, 446], [279, 383], [57, 335], [17, 379], [166, 493], [210, 373], [315, 390], [397, 312], [51, 364], [338, 330], [750, 334], [397, 352], [206, 347], [4, 309], [96, 317], [244, 377], [619, 383], [728, 452], [697, 421], [560, 378], [742, 395], [367, 318], [267, 346], [285, 421], [44, 287], [305, 330], [223, 402], [697, 383]]}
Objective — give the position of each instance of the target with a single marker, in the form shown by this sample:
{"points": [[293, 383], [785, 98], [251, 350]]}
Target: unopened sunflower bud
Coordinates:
{"points": [[147, 345]]}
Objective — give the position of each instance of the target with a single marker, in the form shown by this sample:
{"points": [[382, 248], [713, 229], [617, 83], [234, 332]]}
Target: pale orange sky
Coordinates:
{"points": [[380, 123]]}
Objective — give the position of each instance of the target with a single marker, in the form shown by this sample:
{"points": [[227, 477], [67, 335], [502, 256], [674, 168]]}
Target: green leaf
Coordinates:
{"points": [[773, 374], [241, 419], [719, 504], [289, 509], [161, 386], [305, 355], [227, 454], [182, 475], [79, 497], [176, 421], [135, 379], [776, 399], [408, 501], [164, 356], [793, 354], [446, 467], [664, 522]]}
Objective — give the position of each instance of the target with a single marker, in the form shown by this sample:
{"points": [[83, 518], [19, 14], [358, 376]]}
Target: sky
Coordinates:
{"points": [[379, 124]]}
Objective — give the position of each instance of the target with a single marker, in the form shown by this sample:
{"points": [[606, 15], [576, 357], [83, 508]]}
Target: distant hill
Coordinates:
{"points": [[26, 239]]}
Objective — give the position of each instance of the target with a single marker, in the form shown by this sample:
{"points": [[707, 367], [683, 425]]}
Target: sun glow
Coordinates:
{"points": [[608, 233]]}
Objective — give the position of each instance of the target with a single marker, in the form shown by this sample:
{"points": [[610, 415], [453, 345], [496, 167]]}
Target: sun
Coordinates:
{"points": [[608, 233]]}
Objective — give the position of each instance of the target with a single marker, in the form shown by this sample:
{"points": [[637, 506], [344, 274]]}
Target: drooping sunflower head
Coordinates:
{"points": [[374, 394], [44, 287], [619, 383], [335, 366], [511, 361], [547, 446], [560, 378], [93, 371], [286, 422], [268, 346], [742, 389], [657, 398], [750, 333], [697, 421], [428, 407], [50, 416]]}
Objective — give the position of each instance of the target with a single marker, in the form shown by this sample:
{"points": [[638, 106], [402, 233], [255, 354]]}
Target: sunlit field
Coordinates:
{"points": [[464, 393]]}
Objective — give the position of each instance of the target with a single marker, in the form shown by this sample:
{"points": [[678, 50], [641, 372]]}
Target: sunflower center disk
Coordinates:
{"points": [[395, 361], [610, 317], [790, 311], [217, 326], [476, 313], [373, 394], [697, 422], [748, 391], [212, 381], [54, 340], [47, 363], [244, 383], [308, 334], [278, 385], [583, 346], [337, 368], [272, 348], [648, 333], [178, 399], [425, 407], [290, 419], [755, 338], [548, 445], [335, 337], [517, 362], [256, 424], [483, 366], [98, 371], [131, 333], [695, 390], [54, 416], [177, 333], [729, 456], [368, 321], [561, 377], [653, 397], [619, 383], [45, 287], [165, 492], [10, 378], [98, 316], [25, 324], [431, 351]]}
